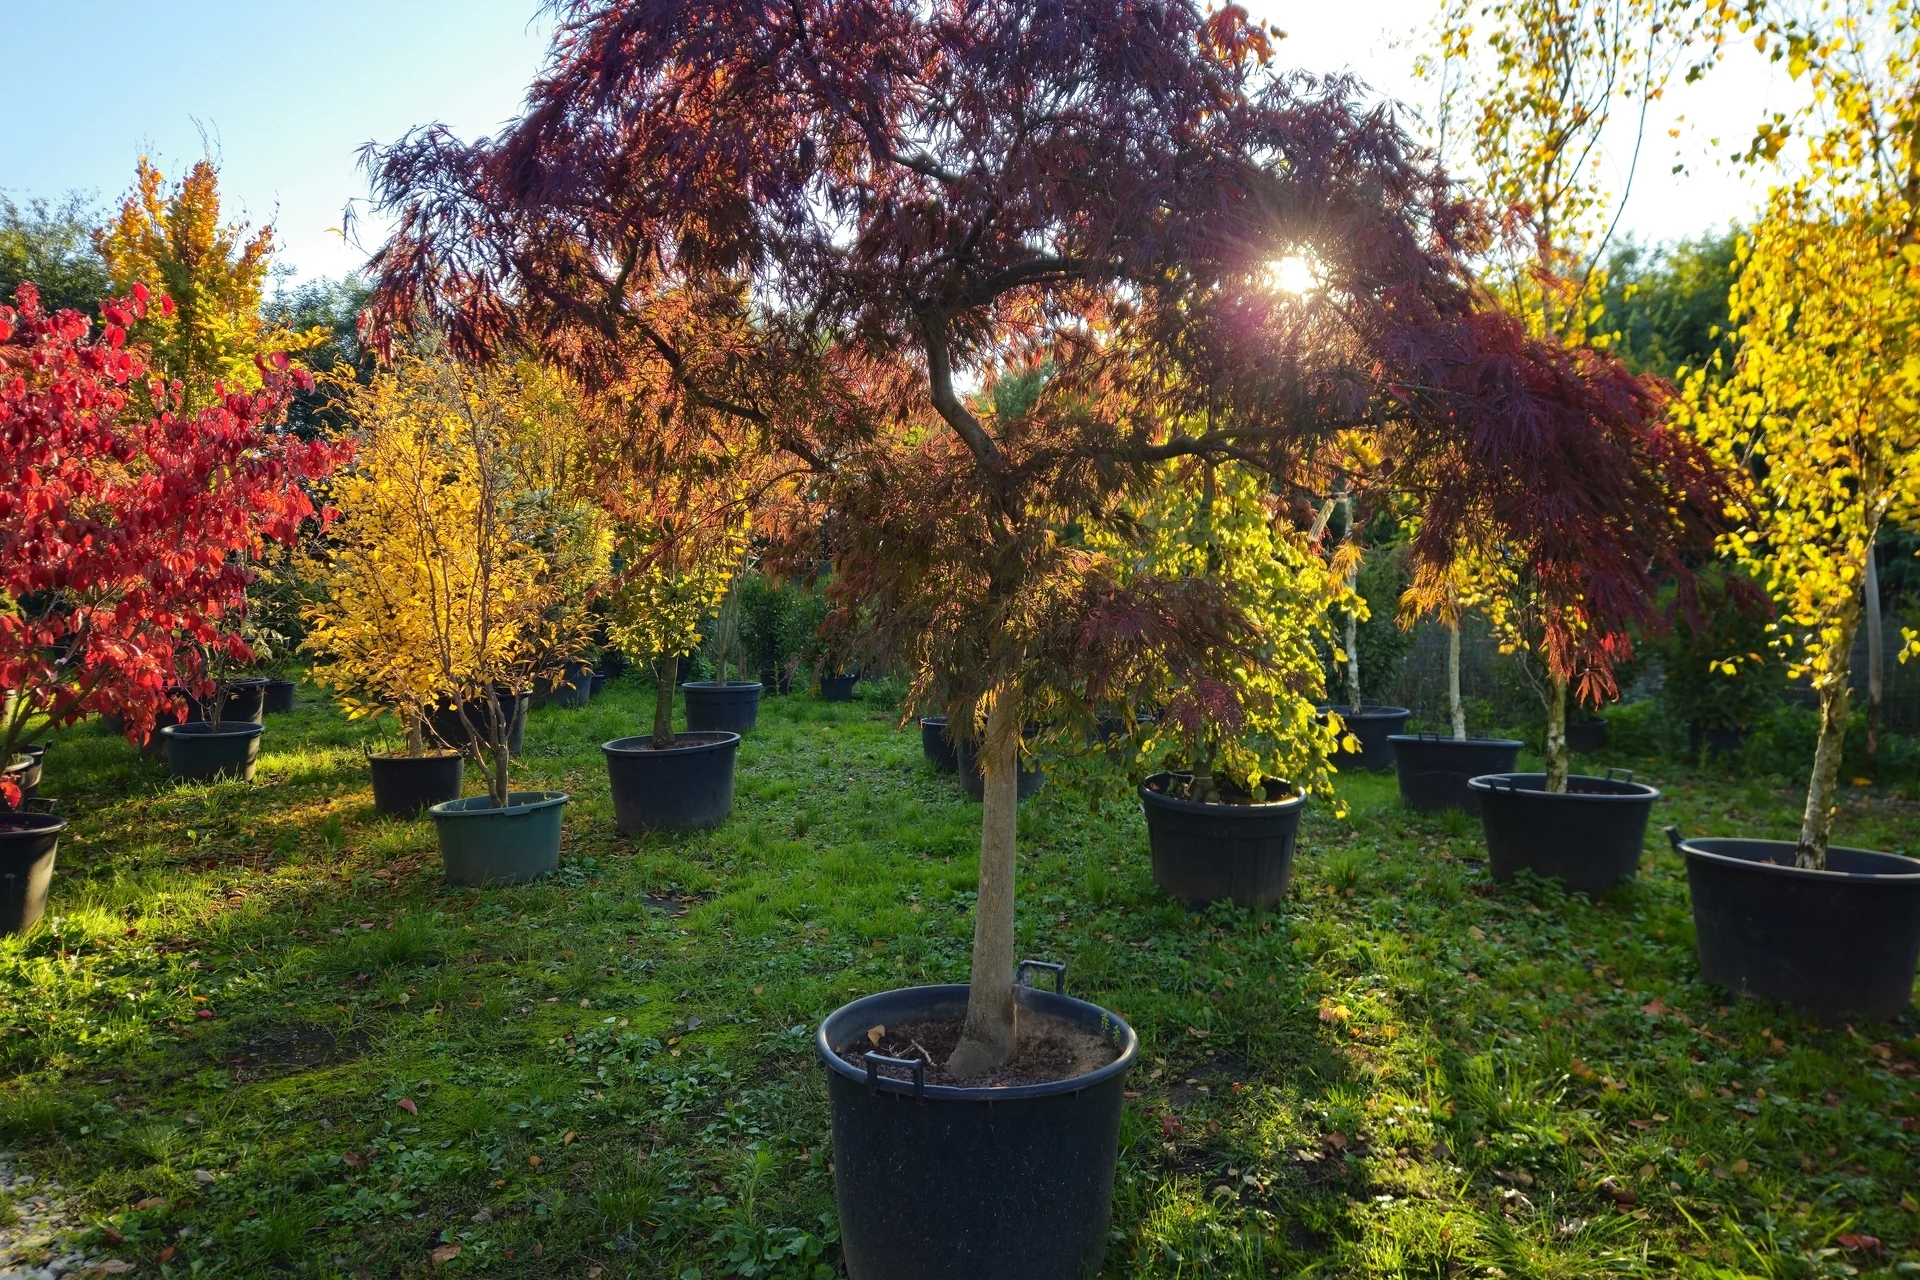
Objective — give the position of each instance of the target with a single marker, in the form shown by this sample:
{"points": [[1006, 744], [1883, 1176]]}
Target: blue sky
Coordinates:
{"points": [[287, 94]]}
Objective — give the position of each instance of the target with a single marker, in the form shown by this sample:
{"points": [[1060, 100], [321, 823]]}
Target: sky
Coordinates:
{"points": [[285, 96]]}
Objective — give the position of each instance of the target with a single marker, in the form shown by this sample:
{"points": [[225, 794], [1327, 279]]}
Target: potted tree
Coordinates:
{"points": [[1241, 738], [721, 705], [1367, 727], [1127, 247], [443, 485], [681, 559], [226, 712], [1434, 770], [134, 543], [1818, 413]]}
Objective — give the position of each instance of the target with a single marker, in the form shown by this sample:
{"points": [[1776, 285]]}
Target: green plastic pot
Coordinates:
{"points": [[197, 752], [481, 844]]}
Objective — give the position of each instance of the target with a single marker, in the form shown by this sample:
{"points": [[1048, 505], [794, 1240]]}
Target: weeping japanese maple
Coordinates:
{"points": [[823, 221]]}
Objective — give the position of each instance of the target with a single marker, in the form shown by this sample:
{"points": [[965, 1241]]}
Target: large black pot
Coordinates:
{"points": [[444, 724], [1209, 852], [279, 697], [197, 752], [406, 786], [712, 707], [596, 684], [937, 1182], [1589, 837], [1434, 770], [1838, 944], [837, 688], [481, 844], [684, 787], [937, 747], [974, 783], [1719, 743], [1375, 727], [27, 845], [573, 687], [1586, 737], [245, 703]]}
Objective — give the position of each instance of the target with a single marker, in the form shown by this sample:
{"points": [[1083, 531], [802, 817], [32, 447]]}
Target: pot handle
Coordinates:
{"points": [[916, 1065], [1674, 838], [1022, 977], [1626, 775]]}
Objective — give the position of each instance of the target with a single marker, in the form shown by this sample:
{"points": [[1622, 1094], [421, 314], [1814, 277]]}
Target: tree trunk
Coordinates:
{"points": [[1836, 699], [991, 1030], [1457, 708], [1559, 762], [416, 738], [1353, 628], [666, 668], [500, 729], [1876, 656]]}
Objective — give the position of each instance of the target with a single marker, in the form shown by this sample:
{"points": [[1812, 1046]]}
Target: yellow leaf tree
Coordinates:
{"points": [[439, 590]]}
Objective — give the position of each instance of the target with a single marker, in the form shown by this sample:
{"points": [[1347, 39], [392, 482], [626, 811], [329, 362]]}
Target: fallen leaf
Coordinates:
{"points": [[1197, 1033], [353, 1160], [409, 1106], [534, 1161], [120, 1267], [444, 1254], [1170, 1126], [875, 1034], [202, 1177], [112, 1236], [568, 1139], [1740, 1166], [1861, 1244], [1653, 1007], [165, 1255], [1336, 1140], [203, 1013], [151, 1202]]}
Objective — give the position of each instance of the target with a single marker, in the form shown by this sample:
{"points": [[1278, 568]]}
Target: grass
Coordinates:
{"points": [[257, 1036]]}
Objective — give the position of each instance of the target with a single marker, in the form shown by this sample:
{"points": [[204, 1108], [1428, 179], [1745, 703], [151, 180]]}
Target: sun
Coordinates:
{"points": [[1296, 273]]}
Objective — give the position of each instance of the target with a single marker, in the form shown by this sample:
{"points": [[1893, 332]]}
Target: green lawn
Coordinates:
{"points": [[256, 1035]]}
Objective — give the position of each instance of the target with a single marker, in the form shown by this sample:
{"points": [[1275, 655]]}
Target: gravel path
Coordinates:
{"points": [[39, 1243]]}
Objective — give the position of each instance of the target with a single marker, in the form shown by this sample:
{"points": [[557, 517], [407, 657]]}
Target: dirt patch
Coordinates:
{"points": [[1048, 1049], [293, 1047]]}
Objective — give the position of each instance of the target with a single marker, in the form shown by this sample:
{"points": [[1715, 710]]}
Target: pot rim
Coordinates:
{"points": [[1446, 740], [927, 722], [714, 686], [205, 729], [1690, 850], [1377, 711], [1264, 808], [722, 739], [518, 803], [1640, 795], [424, 755], [16, 823], [247, 682], [1129, 1050]]}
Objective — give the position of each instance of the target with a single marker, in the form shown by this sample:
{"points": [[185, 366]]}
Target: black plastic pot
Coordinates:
{"points": [[936, 745], [936, 1182], [245, 703], [732, 707], [1434, 770], [613, 662], [481, 844], [1589, 838], [279, 697], [197, 752], [1587, 737], [837, 688], [406, 786], [1375, 726], [28, 842], [974, 783], [1839, 944], [571, 688], [444, 724], [597, 684], [685, 787], [1211, 852], [1719, 743]]}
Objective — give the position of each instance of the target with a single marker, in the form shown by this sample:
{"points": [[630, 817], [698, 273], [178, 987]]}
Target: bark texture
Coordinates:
{"points": [[1559, 760], [1836, 700], [991, 1031], [1455, 707], [666, 667]]}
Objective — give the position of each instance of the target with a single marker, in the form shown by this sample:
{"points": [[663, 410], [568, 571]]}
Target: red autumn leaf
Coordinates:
{"points": [[203, 1013], [1861, 1244], [1653, 1007], [409, 1106]]}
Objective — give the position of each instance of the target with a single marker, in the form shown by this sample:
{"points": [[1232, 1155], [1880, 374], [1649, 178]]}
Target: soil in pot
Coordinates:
{"points": [[1588, 838], [407, 786], [936, 746], [837, 688], [974, 783], [685, 787], [197, 752], [279, 697], [1236, 850], [1586, 737], [732, 707], [1840, 944], [925, 1172], [482, 844], [1375, 726], [28, 842], [1434, 770]]}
